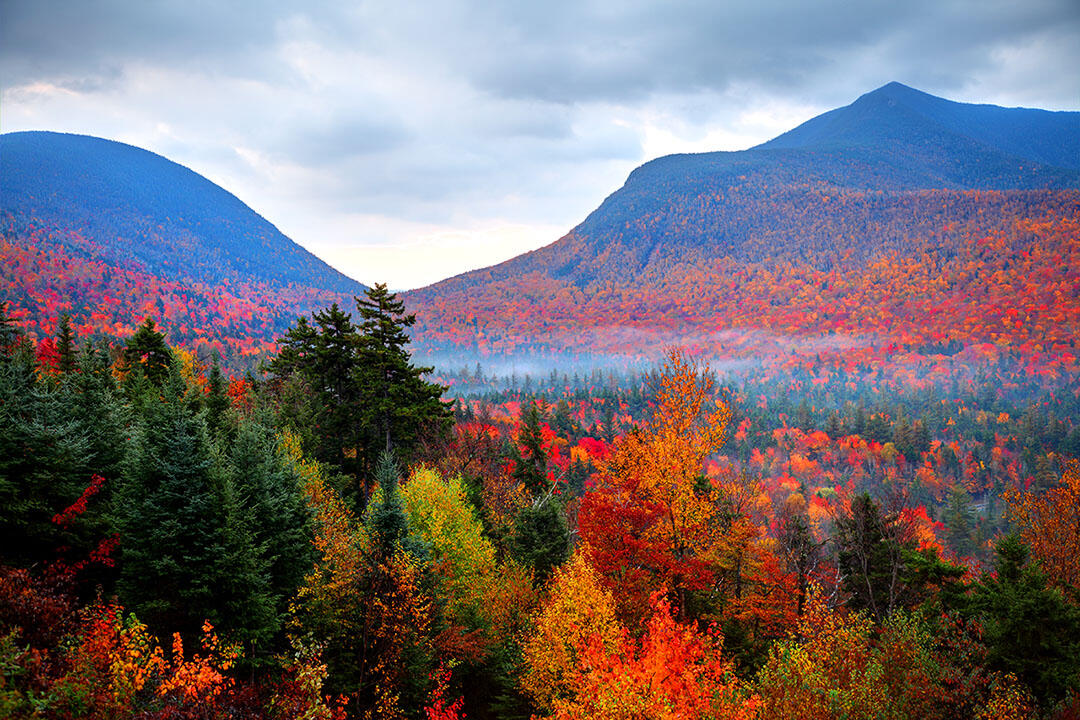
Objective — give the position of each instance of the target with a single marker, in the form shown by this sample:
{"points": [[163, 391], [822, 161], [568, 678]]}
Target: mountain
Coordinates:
{"points": [[109, 234], [138, 206], [898, 113], [902, 220]]}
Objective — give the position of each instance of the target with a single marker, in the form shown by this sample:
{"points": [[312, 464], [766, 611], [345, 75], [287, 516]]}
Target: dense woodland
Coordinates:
{"points": [[334, 535]]}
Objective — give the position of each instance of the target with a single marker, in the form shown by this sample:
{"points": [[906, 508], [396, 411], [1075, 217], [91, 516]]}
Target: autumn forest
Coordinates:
{"points": [[791, 432]]}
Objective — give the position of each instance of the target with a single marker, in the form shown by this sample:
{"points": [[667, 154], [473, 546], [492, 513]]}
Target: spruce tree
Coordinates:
{"points": [[395, 651], [65, 345], [354, 387], [870, 558], [44, 459], [387, 523], [244, 597], [274, 514], [170, 513], [530, 460], [541, 540], [959, 520], [147, 355], [322, 355], [398, 402], [217, 402], [1030, 629]]}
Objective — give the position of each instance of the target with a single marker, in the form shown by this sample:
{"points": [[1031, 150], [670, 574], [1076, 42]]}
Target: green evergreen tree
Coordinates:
{"points": [[94, 402], [867, 558], [1030, 629], [541, 540], [65, 345], [243, 596], [386, 522], [529, 458], [320, 397], [397, 401], [833, 426], [268, 531], [1071, 446], [171, 517], [147, 355], [959, 520], [44, 459], [360, 394], [217, 402], [563, 423]]}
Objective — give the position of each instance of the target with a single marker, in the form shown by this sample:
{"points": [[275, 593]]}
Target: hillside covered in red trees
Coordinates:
{"points": [[850, 489], [903, 232]]}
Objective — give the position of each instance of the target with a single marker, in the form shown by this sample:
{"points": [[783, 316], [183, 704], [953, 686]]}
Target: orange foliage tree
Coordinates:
{"points": [[1049, 522], [673, 673], [651, 519]]}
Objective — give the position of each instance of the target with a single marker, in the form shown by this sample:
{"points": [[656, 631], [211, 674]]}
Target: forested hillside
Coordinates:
{"points": [[901, 225], [143, 211], [782, 434]]}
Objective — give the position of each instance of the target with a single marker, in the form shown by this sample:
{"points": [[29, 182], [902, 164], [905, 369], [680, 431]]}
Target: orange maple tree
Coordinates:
{"points": [[1049, 522], [651, 518]]}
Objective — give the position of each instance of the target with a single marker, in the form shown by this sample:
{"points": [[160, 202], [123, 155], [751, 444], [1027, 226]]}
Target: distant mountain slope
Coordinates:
{"points": [[804, 235], [746, 205], [138, 206], [110, 234]]}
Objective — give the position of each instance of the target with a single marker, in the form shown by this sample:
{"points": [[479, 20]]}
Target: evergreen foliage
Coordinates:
{"points": [[354, 387], [45, 458], [147, 355], [530, 460], [1030, 629], [65, 345], [171, 516], [398, 402], [541, 540]]}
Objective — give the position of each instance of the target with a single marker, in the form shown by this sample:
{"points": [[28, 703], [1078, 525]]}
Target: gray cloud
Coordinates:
{"points": [[471, 113], [562, 51]]}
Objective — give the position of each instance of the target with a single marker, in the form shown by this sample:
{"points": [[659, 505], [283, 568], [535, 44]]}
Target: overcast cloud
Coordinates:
{"points": [[406, 142]]}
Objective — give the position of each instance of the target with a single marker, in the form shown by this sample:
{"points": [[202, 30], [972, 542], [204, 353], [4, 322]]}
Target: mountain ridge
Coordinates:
{"points": [[138, 205], [791, 159], [1007, 129], [109, 234]]}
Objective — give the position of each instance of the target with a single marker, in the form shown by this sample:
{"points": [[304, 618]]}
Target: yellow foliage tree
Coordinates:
{"points": [[577, 611], [482, 595]]}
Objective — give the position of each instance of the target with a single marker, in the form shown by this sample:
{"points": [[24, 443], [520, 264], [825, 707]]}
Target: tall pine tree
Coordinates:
{"points": [[398, 401]]}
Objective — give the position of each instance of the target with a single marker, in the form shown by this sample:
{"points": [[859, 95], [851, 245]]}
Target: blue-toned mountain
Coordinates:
{"points": [[110, 234], [144, 211]]}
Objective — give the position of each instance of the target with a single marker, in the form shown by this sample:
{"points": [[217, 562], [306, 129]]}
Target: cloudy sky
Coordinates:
{"points": [[409, 141]]}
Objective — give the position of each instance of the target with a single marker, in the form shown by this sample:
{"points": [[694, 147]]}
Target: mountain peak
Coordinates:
{"points": [[896, 89], [897, 114]]}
